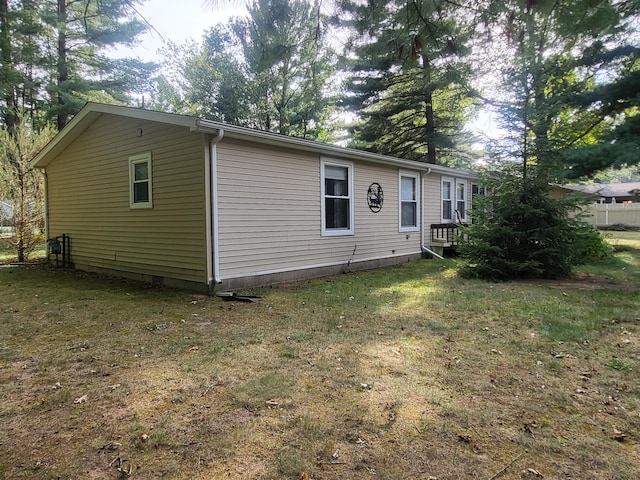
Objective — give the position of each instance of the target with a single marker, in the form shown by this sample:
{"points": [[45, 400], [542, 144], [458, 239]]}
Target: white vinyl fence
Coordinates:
{"points": [[604, 214]]}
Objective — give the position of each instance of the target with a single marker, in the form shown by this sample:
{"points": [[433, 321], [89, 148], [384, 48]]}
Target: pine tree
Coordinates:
{"points": [[409, 80], [616, 105], [53, 57], [523, 232], [288, 65], [216, 84], [21, 73], [78, 34]]}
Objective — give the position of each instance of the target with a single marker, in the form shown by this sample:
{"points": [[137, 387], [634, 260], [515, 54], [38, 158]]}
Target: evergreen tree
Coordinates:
{"points": [[21, 72], [78, 34], [216, 84], [617, 106], [519, 231], [53, 57], [524, 233], [409, 80], [545, 43], [288, 65]]}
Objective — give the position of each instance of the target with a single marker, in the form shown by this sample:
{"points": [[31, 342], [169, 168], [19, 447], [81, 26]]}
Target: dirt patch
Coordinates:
{"points": [[589, 281]]}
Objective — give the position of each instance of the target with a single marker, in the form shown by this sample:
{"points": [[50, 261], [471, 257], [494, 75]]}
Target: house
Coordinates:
{"points": [[6, 216], [187, 202], [627, 192]]}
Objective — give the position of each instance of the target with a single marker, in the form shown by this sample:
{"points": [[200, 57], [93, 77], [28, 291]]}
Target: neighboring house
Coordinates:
{"points": [[188, 202], [610, 192], [6, 216]]}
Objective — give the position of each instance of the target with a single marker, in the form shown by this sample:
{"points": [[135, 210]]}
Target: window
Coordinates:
{"points": [[337, 197], [478, 190], [409, 206], [140, 191], [461, 200], [447, 200]]}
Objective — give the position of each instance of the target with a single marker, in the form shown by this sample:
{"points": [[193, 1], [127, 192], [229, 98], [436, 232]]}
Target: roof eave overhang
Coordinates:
{"points": [[300, 144], [91, 112]]}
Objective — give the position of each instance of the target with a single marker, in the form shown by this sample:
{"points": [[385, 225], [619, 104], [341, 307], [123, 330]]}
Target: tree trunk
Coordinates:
{"points": [[430, 126], [63, 68], [6, 59], [282, 105]]}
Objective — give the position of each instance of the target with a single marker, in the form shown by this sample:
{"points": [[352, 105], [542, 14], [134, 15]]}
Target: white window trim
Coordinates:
{"points": [[452, 181], [464, 217], [133, 161], [333, 232], [416, 178]]}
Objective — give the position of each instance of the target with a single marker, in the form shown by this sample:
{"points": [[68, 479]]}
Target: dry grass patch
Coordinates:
{"points": [[402, 373]]}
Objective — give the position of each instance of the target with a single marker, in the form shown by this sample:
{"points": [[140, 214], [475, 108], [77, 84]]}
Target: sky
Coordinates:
{"points": [[175, 21]]}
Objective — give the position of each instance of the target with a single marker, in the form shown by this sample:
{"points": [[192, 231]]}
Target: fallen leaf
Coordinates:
{"points": [[618, 436], [535, 473]]}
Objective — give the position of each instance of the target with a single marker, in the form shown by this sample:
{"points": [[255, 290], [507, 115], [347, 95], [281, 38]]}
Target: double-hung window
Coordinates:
{"points": [[409, 201], [454, 200], [447, 199], [461, 200], [140, 186], [337, 197]]}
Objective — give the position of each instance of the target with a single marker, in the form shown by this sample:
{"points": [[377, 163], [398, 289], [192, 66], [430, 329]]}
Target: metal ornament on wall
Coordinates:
{"points": [[375, 197]]}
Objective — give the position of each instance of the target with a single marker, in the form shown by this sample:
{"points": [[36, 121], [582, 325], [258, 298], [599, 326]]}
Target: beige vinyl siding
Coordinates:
{"points": [[269, 213], [88, 199], [431, 208]]}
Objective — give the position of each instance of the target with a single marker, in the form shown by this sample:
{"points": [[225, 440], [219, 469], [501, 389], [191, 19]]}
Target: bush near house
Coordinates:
{"points": [[521, 232]]}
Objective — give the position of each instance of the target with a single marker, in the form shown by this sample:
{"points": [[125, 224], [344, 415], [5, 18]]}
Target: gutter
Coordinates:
{"points": [[214, 231], [424, 248]]}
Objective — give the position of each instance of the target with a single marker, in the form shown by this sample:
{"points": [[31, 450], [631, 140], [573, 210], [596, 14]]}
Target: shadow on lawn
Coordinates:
{"points": [[404, 372]]}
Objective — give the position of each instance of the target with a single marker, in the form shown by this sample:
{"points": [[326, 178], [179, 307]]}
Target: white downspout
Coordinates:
{"points": [[214, 204], [46, 210], [422, 231]]}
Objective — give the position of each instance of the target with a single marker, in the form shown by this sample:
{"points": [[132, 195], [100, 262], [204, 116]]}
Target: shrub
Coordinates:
{"points": [[521, 232]]}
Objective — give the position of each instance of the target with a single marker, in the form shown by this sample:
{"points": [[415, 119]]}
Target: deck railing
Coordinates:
{"points": [[446, 233]]}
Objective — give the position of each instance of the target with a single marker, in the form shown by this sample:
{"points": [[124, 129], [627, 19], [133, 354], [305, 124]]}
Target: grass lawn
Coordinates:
{"points": [[406, 372], [8, 254]]}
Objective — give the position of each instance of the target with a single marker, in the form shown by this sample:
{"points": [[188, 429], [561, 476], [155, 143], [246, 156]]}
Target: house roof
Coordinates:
{"points": [[92, 111], [608, 190]]}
